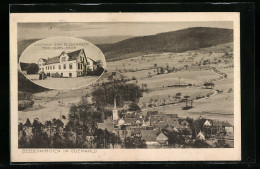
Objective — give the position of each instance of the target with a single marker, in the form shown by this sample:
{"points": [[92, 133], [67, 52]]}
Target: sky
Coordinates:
{"points": [[100, 29], [45, 48]]}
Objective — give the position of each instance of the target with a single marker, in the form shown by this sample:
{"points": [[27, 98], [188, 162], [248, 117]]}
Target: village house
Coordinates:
{"points": [[149, 136], [162, 139], [221, 127], [161, 121], [200, 136], [67, 64]]}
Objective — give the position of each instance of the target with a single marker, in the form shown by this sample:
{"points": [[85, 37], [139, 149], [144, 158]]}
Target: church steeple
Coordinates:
{"points": [[115, 112]]}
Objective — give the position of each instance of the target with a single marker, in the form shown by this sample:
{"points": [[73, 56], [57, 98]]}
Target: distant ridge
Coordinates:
{"points": [[175, 41], [23, 44]]}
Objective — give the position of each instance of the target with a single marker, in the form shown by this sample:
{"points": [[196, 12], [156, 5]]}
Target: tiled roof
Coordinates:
{"points": [[149, 135], [72, 56], [161, 137], [221, 123], [52, 60], [108, 126], [132, 120]]}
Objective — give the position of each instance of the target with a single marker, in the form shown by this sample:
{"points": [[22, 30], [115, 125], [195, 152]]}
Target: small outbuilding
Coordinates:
{"points": [[162, 139]]}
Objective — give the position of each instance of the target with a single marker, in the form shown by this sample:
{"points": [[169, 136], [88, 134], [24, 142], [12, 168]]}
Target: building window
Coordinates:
{"points": [[63, 59], [78, 65], [64, 66], [71, 66], [81, 66], [59, 66], [50, 67], [53, 66]]}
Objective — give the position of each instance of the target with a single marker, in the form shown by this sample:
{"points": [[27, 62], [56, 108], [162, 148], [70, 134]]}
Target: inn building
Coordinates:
{"points": [[68, 64]]}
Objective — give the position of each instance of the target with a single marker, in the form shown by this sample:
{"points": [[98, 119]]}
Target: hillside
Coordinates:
{"points": [[105, 39], [176, 41]]}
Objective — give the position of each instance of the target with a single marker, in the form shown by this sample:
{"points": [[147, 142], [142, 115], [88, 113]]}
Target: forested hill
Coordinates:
{"points": [[175, 41]]}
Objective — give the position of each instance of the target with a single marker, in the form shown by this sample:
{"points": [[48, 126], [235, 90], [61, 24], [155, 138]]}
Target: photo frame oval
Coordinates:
{"points": [[62, 63]]}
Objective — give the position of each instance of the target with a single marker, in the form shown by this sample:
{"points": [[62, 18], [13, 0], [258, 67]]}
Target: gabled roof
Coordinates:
{"points": [[217, 123], [72, 56], [162, 137], [52, 60], [149, 135], [43, 59], [132, 120], [200, 136], [185, 123]]}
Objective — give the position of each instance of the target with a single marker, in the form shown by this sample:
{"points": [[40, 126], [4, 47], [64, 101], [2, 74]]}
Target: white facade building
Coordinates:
{"points": [[71, 64]]}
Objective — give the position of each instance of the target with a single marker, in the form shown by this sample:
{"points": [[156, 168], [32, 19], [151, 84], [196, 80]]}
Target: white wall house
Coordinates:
{"points": [[71, 64]]}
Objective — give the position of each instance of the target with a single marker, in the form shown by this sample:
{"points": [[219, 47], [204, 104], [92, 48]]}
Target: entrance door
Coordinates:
{"points": [[61, 74], [70, 74]]}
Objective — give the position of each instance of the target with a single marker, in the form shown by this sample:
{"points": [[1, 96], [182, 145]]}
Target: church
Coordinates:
{"points": [[67, 64]]}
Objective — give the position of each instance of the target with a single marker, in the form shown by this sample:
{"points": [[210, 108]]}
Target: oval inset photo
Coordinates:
{"points": [[62, 63]]}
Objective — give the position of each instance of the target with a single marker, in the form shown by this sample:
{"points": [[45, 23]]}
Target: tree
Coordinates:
{"points": [[186, 98], [149, 74], [39, 138], [178, 95], [186, 66], [221, 144], [28, 123], [200, 144], [134, 142], [117, 89], [209, 84], [134, 107], [31, 68]]}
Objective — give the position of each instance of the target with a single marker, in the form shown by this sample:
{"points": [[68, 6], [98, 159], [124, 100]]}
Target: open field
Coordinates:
{"points": [[64, 83], [228, 82], [177, 60], [184, 77], [169, 93], [219, 107], [56, 103]]}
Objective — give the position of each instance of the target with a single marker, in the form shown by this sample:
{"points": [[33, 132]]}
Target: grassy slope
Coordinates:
{"points": [[176, 41]]}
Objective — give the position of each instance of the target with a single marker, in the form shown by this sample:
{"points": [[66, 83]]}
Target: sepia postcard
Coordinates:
{"points": [[108, 87]]}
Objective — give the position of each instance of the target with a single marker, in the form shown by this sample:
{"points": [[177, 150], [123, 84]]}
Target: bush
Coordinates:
{"points": [[24, 104], [99, 71], [134, 107], [55, 75]]}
